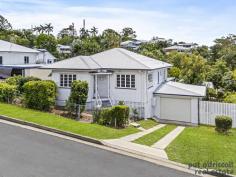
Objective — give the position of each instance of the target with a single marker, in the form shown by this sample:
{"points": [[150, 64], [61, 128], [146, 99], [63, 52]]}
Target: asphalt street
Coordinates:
{"points": [[26, 153]]}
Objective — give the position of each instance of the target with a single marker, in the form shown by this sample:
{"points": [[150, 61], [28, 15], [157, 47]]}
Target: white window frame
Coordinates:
{"points": [[26, 59], [67, 79], [150, 79], [129, 81]]}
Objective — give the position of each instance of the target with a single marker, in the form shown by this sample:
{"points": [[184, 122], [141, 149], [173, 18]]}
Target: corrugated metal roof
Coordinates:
{"points": [[111, 59], [176, 88], [11, 47], [79, 62]]}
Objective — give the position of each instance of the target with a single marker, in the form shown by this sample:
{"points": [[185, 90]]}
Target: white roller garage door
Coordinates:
{"points": [[176, 109]]}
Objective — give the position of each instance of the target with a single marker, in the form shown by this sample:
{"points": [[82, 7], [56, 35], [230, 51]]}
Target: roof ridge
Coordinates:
{"points": [[95, 61], [81, 57], [184, 88], [132, 57]]}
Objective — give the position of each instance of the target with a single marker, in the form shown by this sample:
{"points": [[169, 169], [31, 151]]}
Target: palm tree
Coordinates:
{"points": [[94, 31], [42, 28], [48, 28], [72, 29], [84, 33]]}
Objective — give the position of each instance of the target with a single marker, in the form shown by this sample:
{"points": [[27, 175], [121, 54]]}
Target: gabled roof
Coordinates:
{"points": [[75, 63], [11, 47], [111, 59], [176, 88]]}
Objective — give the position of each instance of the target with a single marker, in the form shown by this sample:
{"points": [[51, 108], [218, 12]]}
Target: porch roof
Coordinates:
{"points": [[176, 88], [111, 59]]}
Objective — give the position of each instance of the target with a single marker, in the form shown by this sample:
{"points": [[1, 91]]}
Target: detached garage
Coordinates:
{"points": [[177, 102]]}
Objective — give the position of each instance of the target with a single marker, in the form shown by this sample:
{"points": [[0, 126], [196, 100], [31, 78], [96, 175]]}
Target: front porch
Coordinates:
{"points": [[101, 89]]}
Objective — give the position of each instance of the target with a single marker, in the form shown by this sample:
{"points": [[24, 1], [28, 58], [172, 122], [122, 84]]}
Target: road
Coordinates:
{"points": [[26, 153]]}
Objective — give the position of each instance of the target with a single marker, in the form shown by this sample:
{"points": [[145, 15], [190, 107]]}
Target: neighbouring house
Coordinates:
{"points": [[121, 75], [133, 44], [64, 49], [180, 47], [19, 60]]}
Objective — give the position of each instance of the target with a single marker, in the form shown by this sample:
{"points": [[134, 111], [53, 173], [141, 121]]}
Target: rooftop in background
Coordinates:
{"points": [[117, 58], [11, 47], [176, 88]]}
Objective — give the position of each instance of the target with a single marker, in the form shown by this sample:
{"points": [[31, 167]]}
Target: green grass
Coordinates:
{"points": [[153, 137], [61, 123], [203, 144], [146, 124]]}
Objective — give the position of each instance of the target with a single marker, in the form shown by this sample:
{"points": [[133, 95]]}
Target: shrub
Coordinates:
{"points": [[15, 80], [116, 116], [40, 95], [120, 116], [102, 116], [7, 92], [19, 81], [223, 123], [78, 96]]}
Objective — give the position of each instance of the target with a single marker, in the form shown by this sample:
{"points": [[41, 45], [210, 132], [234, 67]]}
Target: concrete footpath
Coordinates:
{"points": [[166, 140], [136, 148], [135, 136]]}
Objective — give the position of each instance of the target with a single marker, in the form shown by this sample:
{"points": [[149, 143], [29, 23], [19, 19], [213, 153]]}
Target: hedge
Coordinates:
{"points": [[40, 95], [19, 81], [116, 116], [223, 123], [7, 92]]}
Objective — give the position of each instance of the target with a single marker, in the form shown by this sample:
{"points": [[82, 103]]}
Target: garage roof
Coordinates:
{"points": [[176, 88]]}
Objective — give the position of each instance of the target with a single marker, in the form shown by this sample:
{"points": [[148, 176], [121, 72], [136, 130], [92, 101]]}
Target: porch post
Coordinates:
{"points": [[108, 82], [96, 87]]}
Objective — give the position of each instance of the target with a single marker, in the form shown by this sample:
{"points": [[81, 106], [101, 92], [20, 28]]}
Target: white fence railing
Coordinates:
{"points": [[209, 110]]}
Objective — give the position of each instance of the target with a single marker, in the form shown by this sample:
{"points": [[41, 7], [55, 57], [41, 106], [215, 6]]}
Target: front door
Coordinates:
{"points": [[103, 86]]}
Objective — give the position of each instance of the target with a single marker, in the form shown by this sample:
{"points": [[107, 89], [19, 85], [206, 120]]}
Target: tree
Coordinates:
{"points": [[48, 28], [217, 72], [49, 42], [86, 46], [94, 31], [70, 31], [153, 50], [110, 39], [78, 96], [128, 34], [192, 68], [4, 24], [84, 33]]}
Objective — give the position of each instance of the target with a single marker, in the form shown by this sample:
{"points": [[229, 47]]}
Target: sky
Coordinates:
{"points": [[199, 21]]}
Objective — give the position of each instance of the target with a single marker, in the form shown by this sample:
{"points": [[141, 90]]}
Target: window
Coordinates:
{"points": [[26, 59], [67, 79], [1, 61], [158, 77], [150, 78], [125, 81], [49, 62]]}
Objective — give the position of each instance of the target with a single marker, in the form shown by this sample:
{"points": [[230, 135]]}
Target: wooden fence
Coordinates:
{"points": [[209, 110]]}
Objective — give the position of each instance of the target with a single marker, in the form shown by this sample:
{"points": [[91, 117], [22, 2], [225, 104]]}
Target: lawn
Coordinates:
{"points": [[203, 144], [65, 124], [146, 124], [153, 137]]}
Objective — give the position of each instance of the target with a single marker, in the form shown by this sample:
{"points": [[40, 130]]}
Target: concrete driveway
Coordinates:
{"points": [[26, 153]]}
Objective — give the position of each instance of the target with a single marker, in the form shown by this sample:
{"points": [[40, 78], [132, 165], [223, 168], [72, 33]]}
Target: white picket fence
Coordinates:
{"points": [[209, 110]]}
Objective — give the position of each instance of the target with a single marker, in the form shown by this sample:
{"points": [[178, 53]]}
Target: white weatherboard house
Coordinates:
{"points": [[141, 82], [19, 60]]}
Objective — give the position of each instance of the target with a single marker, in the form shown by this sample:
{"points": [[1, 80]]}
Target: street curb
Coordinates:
{"points": [[53, 130]]}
